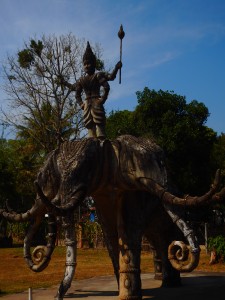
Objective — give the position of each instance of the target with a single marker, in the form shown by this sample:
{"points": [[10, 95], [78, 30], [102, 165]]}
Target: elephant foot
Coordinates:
{"points": [[130, 280], [130, 286], [61, 292]]}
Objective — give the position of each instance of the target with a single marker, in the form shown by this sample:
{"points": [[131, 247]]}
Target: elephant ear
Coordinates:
{"points": [[141, 158]]}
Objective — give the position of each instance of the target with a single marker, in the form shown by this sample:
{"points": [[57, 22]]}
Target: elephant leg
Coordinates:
{"points": [[129, 256], [111, 240], [130, 280], [112, 247], [71, 253], [160, 232], [170, 276]]}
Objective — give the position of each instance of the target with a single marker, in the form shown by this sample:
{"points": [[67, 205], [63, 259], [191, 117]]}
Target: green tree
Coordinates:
{"points": [[218, 154], [40, 107], [179, 128], [120, 122], [18, 166], [7, 188]]}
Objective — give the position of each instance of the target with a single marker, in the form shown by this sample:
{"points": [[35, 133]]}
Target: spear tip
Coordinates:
{"points": [[121, 32]]}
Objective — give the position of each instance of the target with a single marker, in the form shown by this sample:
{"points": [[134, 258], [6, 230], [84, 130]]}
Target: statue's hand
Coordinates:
{"points": [[119, 65]]}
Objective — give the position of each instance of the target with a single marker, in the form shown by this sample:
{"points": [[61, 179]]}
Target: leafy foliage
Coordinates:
{"points": [[18, 167], [218, 155], [25, 58], [41, 108], [179, 128], [217, 244], [120, 122], [92, 231]]}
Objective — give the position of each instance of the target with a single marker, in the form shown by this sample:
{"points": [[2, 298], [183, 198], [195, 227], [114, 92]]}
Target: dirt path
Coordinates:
{"points": [[196, 286]]}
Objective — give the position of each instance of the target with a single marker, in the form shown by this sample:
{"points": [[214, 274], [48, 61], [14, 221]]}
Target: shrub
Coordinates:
{"points": [[217, 244], [92, 232]]}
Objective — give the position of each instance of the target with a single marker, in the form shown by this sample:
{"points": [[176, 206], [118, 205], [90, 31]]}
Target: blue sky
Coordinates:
{"points": [[174, 45]]}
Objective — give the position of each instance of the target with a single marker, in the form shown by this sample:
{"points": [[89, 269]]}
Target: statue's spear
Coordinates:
{"points": [[121, 35]]}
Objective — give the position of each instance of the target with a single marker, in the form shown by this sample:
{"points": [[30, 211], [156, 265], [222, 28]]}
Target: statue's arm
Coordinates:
{"points": [[70, 86], [104, 78], [78, 94], [112, 76]]}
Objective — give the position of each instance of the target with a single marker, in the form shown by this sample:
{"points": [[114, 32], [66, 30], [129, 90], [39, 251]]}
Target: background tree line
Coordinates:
{"points": [[193, 151], [43, 113]]}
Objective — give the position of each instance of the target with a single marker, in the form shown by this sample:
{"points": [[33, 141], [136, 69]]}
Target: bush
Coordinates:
{"points": [[217, 244], [92, 231]]}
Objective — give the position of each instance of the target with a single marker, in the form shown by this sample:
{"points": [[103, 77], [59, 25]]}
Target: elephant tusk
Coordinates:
{"points": [[220, 196], [168, 198], [23, 217]]}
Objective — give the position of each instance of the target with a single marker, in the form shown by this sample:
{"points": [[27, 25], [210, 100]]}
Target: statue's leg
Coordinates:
{"points": [[129, 235], [71, 253], [91, 132], [100, 131]]}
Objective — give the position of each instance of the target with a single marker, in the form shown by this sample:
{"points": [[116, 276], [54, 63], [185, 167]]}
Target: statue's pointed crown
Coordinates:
{"points": [[89, 55]]}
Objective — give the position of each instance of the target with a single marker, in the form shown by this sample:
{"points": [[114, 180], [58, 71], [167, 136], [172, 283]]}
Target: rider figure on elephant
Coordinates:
{"points": [[96, 88]]}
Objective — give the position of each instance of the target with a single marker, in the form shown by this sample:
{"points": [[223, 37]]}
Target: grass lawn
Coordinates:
{"points": [[15, 276]]}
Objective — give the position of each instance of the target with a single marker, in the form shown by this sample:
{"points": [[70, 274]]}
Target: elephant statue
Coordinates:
{"points": [[127, 178]]}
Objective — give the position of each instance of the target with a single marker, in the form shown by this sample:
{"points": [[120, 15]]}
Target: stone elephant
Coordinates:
{"points": [[128, 180]]}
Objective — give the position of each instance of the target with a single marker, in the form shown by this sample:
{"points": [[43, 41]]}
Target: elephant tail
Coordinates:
{"points": [[41, 255]]}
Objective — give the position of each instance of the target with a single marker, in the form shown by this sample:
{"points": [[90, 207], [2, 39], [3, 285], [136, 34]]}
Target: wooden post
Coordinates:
{"points": [[206, 238], [30, 294]]}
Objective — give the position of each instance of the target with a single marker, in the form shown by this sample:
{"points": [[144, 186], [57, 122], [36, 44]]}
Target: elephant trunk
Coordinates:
{"points": [[178, 252], [74, 200], [41, 255]]}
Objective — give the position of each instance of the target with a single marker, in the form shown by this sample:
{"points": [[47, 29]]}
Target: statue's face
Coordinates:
{"points": [[89, 67]]}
